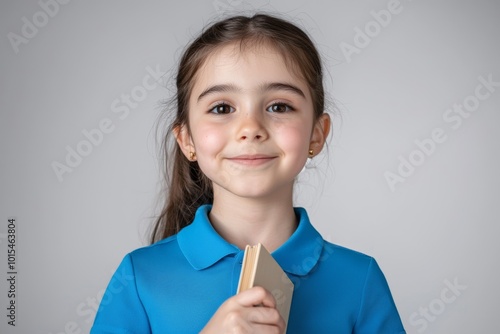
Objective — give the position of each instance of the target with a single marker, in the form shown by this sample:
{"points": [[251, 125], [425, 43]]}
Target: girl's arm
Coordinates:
{"points": [[121, 310], [378, 313]]}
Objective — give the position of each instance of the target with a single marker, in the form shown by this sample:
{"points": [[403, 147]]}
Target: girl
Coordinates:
{"points": [[250, 111]]}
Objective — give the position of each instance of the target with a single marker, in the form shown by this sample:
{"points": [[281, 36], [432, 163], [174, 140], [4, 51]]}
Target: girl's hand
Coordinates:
{"points": [[239, 314]]}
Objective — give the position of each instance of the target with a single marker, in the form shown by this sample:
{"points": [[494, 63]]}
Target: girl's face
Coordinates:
{"points": [[251, 123]]}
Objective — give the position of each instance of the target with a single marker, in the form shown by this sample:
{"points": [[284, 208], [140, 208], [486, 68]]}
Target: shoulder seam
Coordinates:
{"points": [[361, 301], [156, 244]]}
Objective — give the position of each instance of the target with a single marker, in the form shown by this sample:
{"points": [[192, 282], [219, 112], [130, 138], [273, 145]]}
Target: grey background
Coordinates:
{"points": [[440, 225]]}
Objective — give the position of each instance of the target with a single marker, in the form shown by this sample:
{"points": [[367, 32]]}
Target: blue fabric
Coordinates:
{"points": [[177, 284]]}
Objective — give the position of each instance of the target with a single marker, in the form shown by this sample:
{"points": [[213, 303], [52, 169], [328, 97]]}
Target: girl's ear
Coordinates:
{"points": [[185, 141], [319, 134]]}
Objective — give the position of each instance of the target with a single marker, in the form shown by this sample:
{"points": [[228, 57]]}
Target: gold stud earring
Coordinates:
{"points": [[311, 153], [192, 156]]}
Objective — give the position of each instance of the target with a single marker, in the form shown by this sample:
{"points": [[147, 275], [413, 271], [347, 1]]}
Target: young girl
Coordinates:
{"points": [[250, 111]]}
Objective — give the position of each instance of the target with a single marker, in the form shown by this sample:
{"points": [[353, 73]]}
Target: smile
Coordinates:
{"points": [[252, 160]]}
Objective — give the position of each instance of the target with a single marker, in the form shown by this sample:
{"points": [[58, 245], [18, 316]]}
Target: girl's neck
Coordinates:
{"points": [[243, 221]]}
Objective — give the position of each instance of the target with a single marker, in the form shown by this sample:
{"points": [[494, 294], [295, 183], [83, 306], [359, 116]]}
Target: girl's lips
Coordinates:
{"points": [[252, 160]]}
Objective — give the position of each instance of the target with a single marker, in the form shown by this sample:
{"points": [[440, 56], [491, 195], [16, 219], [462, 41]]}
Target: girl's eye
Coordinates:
{"points": [[279, 108], [222, 109]]}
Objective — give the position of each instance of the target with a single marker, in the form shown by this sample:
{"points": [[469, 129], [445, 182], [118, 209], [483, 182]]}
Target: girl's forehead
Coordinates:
{"points": [[237, 54], [246, 63], [243, 50]]}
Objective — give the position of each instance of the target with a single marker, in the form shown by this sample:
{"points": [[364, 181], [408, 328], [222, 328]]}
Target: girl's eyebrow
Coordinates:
{"points": [[283, 86], [264, 87], [218, 89]]}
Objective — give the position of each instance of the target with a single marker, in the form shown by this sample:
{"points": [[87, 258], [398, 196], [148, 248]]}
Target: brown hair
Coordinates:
{"points": [[187, 186]]}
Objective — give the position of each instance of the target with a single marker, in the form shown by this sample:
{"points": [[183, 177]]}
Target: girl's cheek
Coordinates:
{"points": [[294, 137], [210, 138]]}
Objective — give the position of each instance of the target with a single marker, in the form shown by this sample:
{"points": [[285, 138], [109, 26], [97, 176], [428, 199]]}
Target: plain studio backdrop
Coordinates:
{"points": [[410, 176]]}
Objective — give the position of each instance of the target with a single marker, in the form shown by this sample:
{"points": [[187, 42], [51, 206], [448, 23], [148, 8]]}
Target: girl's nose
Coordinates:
{"points": [[252, 127]]}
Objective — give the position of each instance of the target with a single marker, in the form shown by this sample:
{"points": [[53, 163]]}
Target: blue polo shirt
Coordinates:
{"points": [[177, 284]]}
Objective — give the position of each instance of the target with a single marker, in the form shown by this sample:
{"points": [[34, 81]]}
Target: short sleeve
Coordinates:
{"points": [[378, 313], [121, 310]]}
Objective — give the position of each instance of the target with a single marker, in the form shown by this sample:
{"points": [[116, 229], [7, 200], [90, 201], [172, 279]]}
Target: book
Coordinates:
{"points": [[259, 268]]}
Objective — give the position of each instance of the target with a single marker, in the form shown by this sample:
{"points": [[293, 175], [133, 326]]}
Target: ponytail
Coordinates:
{"points": [[189, 188]]}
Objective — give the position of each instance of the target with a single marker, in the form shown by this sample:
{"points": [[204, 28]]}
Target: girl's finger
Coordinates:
{"points": [[256, 296]]}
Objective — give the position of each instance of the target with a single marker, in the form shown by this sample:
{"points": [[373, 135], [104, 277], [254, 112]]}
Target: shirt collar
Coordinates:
{"points": [[203, 246]]}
